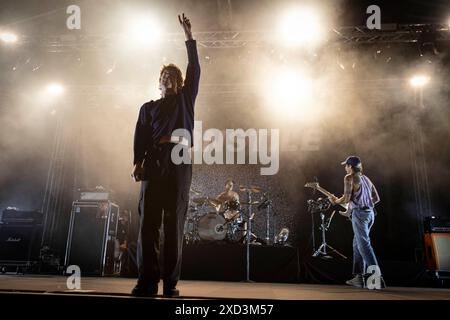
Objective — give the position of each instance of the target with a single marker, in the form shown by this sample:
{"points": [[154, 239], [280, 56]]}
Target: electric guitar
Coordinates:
{"points": [[315, 185]]}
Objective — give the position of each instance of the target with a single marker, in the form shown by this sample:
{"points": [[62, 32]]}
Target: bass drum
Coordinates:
{"points": [[212, 227]]}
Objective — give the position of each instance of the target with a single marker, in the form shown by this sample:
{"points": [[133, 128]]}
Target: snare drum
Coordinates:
{"points": [[231, 209], [232, 205]]}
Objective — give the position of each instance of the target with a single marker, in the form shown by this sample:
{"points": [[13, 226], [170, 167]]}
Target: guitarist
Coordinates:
{"points": [[361, 196]]}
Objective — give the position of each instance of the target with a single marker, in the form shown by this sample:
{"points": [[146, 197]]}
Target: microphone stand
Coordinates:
{"points": [[249, 235], [313, 227]]}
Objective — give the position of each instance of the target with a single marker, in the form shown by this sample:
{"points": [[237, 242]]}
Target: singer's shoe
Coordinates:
{"points": [[145, 291], [171, 291]]}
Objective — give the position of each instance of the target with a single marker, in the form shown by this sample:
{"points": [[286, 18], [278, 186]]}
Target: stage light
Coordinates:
{"points": [[301, 27], [289, 91], [419, 81], [289, 95], [142, 31], [55, 89], [8, 37]]}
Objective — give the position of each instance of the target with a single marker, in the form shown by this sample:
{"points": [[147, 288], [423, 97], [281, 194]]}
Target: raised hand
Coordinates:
{"points": [[186, 24]]}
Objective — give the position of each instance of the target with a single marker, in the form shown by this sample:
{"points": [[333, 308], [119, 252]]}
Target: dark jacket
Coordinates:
{"points": [[163, 116]]}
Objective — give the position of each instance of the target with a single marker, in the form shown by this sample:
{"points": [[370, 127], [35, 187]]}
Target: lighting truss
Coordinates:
{"points": [[391, 33]]}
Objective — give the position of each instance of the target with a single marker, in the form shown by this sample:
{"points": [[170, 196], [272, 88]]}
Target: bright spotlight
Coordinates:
{"points": [[55, 89], [143, 31], [8, 37], [290, 91], [300, 27], [291, 87], [419, 81]]}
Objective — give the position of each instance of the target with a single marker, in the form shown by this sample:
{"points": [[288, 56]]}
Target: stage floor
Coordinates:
{"points": [[220, 290]]}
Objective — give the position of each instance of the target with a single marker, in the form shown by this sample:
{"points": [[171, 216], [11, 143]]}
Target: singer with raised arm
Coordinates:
{"points": [[164, 195]]}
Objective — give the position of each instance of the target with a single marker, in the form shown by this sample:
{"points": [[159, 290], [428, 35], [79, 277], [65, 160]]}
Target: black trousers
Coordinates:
{"points": [[164, 198]]}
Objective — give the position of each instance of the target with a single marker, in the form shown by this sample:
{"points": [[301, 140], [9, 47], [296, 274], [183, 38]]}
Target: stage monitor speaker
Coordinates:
{"points": [[437, 247], [19, 243], [91, 241]]}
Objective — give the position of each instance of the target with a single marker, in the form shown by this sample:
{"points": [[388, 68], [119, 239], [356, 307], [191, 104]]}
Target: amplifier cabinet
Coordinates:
{"points": [[437, 246], [19, 243], [91, 241]]}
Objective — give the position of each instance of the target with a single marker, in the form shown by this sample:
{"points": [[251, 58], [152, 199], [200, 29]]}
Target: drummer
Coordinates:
{"points": [[229, 201]]}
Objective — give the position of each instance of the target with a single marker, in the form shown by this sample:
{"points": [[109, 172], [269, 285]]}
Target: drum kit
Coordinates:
{"points": [[209, 219]]}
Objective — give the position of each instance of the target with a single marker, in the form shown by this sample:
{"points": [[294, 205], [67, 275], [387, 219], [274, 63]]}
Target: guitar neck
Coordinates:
{"points": [[328, 194], [325, 192]]}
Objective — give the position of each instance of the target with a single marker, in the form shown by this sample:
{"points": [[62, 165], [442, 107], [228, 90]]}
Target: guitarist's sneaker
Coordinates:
{"points": [[357, 281]]}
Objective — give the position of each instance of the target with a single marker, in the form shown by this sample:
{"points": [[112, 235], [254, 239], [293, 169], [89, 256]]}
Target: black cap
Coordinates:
{"points": [[353, 161]]}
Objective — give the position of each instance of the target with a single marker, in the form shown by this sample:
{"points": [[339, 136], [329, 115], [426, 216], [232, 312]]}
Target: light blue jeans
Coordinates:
{"points": [[363, 254]]}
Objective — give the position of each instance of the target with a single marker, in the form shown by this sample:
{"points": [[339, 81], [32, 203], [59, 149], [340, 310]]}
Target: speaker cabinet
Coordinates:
{"points": [[20, 243], [91, 241], [437, 246]]}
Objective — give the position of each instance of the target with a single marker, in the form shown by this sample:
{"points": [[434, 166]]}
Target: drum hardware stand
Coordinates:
{"points": [[244, 237], [266, 204], [249, 235], [313, 226], [322, 251], [321, 206]]}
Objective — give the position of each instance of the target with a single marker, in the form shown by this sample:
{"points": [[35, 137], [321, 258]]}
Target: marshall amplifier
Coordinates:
{"points": [[19, 244], [91, 241], [15, 216]]}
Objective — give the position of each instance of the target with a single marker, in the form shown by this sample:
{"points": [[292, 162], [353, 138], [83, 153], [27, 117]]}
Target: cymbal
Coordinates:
{"points": [[200, 200], [252, 189], [256, 189], [207, 201], [213, 202]]}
